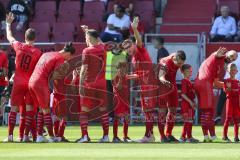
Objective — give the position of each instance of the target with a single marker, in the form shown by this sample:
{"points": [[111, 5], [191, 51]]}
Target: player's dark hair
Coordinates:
{"points": [[181, 55], [93, 33], [30, 34], [69, 48], [185, 67], [160, 40], [231, 65]]}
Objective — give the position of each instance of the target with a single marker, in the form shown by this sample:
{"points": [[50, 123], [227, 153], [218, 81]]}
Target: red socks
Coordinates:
{"points": [[115, 127], [11, 122], [170, 123], [40, 124], [22, 126], [161, 124], [105, 124], [28, 123], [62, 128], [84, 124], [125, 128], [56, 127], [187, 130], [226, 124], [48, 123], [149, 123]]}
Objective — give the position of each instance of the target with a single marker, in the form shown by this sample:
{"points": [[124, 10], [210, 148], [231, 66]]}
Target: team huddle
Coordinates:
{"points": [[103, 87]]}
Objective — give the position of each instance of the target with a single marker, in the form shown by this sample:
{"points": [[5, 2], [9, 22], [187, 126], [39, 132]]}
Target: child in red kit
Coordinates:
{"points": [[232, 89], [188, 105]]}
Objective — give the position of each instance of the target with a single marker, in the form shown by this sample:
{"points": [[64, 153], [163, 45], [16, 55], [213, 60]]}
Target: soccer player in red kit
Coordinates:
{"points": [[48, 67], [92, 75], [3, 71], [122, 110], [26, 58], [141, 57], [232, 89], [208, 76], [167, 74], [188, 105]]}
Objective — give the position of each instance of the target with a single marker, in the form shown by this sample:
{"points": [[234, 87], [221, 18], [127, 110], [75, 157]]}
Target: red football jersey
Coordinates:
{"points": [[47, 63], [171, 68], [141, 55], [27, 57], [94, 58], [3, 64], [234, 86], [188, 90], [211, 68]]}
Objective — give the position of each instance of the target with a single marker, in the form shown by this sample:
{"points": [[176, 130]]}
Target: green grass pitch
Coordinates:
{"points": [[110, 151]]}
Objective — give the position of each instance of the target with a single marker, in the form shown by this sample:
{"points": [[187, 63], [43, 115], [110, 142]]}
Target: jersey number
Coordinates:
{"points": [[25, 62]]}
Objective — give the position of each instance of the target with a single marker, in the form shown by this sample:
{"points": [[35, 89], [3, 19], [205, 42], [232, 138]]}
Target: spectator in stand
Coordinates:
{"points": [[21, 11], [161, 50], [130, 10], [224, 27], [118, 25], [3, 71], [2, 17]]}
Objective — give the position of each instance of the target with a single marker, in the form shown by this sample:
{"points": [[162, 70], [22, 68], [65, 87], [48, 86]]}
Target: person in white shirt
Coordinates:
{"points": [[118, 24], [224, 27]]}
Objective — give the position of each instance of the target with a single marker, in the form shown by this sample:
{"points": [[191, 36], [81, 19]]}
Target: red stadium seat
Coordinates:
{"points": [[42, 31], [143, 5], [45, 11], [69, 16], [5, 2], [97, 6], [66, 5], [63, 32], [93, 16], [46, 5], [186, 29]]}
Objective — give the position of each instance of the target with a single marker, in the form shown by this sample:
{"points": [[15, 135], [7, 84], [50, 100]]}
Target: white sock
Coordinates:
{"points": [[206, 137]]}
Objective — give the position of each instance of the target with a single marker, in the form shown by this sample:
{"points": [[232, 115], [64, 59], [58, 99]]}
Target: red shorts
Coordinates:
{"points": [[59, 105], [40, 94], [204, 90], [187, 112], [122, 106], [232, 108], [148, 98], [95, 95], [20, 95], [170, 100]]}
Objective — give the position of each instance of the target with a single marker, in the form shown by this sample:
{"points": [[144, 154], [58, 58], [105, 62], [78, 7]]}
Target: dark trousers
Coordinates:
{"points": [[219, 38], [221, 103]]}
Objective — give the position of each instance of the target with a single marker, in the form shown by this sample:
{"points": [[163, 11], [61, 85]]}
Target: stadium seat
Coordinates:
{"points": [[69, 16], [97, 6], [186, 29], [145, 5], [63, 32], [42, 31], [66, 5], [5, 2], [45, 11]]}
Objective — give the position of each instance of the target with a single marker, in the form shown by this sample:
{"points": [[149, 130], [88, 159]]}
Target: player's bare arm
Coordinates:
{"points": [[161, 77], [217, 83], [9, 20], [61, 71], [221, 52], [137, 35], [193, 104], [82, 77]]}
